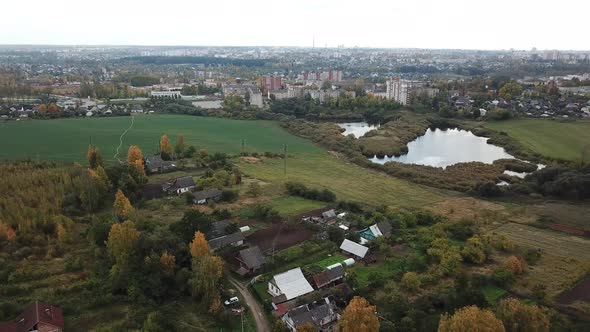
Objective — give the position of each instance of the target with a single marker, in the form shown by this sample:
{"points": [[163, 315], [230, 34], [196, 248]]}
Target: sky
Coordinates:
{"points": [[452, 24]]}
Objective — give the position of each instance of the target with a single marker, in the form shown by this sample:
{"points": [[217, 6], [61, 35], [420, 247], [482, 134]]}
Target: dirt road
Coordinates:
{"points": [[262, 324]]}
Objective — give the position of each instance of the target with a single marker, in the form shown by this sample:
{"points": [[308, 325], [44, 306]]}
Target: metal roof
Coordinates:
{"points": [[292, 283], [354, 248]]}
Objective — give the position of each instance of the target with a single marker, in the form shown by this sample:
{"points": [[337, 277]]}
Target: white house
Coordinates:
{"points": [[354, 248], [289, 285]]}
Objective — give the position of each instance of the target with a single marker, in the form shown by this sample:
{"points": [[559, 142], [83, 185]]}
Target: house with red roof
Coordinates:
{"points": [[39, 317]]}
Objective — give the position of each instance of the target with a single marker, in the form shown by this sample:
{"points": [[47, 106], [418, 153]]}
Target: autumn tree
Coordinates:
{"points": [[359, 316], [42, 108], [180, 146], [134, 153], [7, 233], [515, 264], [520, 317], [52, 108], [122, 206], [168, 262], [471, 319], [122, 241], [199, 246], [94, 157], [165, 148], [215, 307]]}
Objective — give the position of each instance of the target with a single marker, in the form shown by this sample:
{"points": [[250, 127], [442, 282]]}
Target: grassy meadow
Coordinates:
{"points": [[346, 180], [555, 139], [68, 139]]}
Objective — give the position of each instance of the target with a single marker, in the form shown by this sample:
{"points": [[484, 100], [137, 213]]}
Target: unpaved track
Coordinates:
{"points": [[116, 156], [262, 324]]}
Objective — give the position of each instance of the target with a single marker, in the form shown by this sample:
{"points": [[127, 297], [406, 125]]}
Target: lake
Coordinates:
{"points": [[446, 147], [358, 129]]}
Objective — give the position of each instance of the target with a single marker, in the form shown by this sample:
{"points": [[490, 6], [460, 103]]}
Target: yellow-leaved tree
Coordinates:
{"points": [[122, 241], [94, 157], [165, 147], [123, 208], [518, 316], [135, 158], [168, 262], [359, 316], [470, 318], [515, 264], [199, 246]]}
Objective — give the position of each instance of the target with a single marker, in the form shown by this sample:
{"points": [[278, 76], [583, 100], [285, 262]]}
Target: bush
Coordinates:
{"points": [[229, 196], [532, 256], [299, 189], [487, 189]]}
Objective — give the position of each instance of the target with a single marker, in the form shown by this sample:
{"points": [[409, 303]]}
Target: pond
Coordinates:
{"points": [[358, 129], [446, 147]]}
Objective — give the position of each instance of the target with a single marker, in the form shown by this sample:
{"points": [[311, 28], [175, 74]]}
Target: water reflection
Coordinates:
{"points": [[358, 129], [446, 147]]}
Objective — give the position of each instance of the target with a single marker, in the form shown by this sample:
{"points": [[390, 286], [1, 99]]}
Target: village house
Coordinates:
{"points": [[236, 239], [288, 285], [39, 317], [354, 249], [251, 260], [332, 274], [380, 229], [205, 196], [155, 164], [179, 185], [321, 315]]}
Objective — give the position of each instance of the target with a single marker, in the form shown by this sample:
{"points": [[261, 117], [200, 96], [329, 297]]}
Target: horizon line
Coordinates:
{"points": [[295, 46]]}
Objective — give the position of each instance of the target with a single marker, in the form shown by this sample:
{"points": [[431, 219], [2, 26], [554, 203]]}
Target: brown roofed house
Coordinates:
{"points": [[39, 317]]}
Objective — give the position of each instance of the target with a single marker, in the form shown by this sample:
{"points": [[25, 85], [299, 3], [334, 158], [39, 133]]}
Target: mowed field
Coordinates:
{"points": [[68, 139], [555, 139], [346, 180], [564, 258]]}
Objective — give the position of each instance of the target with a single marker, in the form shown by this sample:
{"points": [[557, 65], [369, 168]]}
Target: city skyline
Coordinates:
{"points": [[424, 24]]}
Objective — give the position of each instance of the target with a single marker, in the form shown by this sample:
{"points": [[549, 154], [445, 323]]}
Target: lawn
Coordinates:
{"points": [[493, 294], [555, 139], [324, 263], [68, 139], [346, 180], [387, 269], [290, 205]]}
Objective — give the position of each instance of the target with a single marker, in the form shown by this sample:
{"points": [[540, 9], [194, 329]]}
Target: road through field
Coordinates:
{"points": [[116, 156]]}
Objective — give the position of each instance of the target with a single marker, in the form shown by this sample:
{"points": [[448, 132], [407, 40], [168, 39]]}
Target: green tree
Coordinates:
{"points": [[510, 90]]}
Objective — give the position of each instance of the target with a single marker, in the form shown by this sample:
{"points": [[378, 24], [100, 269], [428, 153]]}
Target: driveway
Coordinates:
{"points": [[262, 324]]}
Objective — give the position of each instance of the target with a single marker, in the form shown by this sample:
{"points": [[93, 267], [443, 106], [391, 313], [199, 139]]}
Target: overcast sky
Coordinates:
{"points": [[466, 24]]}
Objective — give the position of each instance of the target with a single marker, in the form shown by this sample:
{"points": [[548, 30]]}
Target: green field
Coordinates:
{"points": [[68, 139], [290, 205], [561, 140], [346, 180]]}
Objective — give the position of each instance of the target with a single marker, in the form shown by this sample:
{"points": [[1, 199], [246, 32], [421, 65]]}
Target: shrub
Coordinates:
{"points": [[515, 264], [532, 256], [299, 189], [229, 196], [411, 281]]}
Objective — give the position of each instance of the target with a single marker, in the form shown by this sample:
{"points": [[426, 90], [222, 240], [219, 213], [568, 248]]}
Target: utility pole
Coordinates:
{"points": [[243, 145], [285, 158]]}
